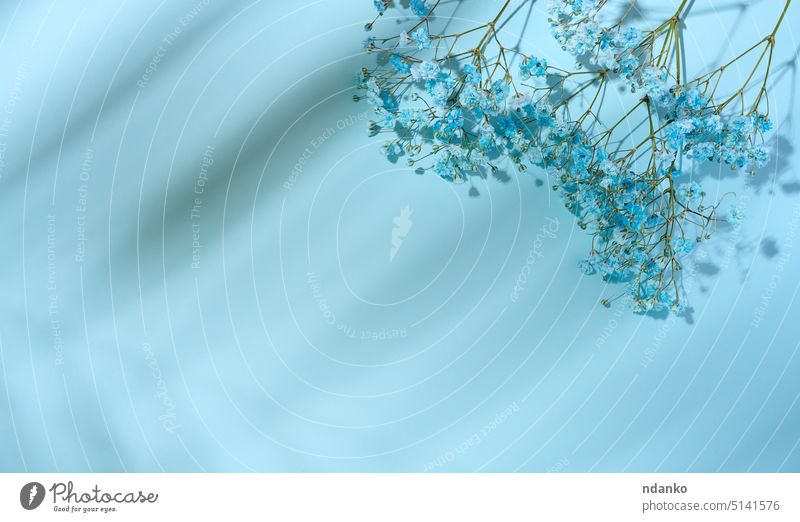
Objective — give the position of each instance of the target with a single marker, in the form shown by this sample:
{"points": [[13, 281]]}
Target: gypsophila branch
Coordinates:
{"points": [[461, 103]]}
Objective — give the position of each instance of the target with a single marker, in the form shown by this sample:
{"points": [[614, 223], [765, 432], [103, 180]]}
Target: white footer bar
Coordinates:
{"points": [[401, 497]]}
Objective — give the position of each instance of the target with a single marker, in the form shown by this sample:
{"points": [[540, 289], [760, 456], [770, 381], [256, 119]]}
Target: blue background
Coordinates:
{"points": [[293, 341]]}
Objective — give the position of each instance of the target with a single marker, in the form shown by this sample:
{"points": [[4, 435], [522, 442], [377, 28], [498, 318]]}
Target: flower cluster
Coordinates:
{"points": [[459, 113], [575, 26]]}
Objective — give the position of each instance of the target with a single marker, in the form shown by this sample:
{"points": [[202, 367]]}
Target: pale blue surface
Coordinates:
{"points": [[259, 350]]}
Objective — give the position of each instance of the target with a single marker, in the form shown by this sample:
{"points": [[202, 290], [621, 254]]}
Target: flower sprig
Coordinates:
{"points": [[462, 103]]}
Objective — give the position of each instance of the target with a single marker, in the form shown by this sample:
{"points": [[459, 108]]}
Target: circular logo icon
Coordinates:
{"points": [[31, 495]]}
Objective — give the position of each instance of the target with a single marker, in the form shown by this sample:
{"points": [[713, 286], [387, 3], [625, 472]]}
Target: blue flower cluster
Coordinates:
{"points": [[418, 7], [458, 117], [574, 25], [694, 126], [533, 67], [380, 5]]}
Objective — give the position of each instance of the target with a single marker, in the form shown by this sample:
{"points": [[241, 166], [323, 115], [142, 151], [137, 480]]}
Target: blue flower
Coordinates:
{"points": [[399, 64], [444, 168], [735, 216], [392, 151], [519, 101], [407, 117], [762, 123], [536, 67], [629, 39], [703, 151], [450, 124], [742, 126], [682, 246], [647, 289], [388, 119], [589, 265], [691, 100], [419, 8], [426, 70], [581, 156], [473, 75], [420, 36], [438, 90], [689, 192], [761, 155]]}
